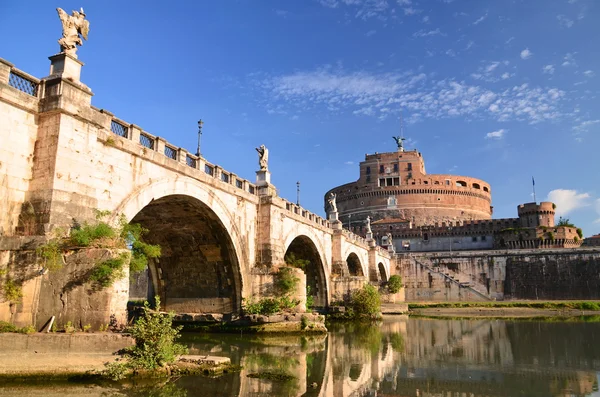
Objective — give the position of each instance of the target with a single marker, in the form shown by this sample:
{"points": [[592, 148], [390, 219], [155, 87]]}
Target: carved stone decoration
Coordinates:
{"points": [[73, 25], [263, 157], [331, 201]]}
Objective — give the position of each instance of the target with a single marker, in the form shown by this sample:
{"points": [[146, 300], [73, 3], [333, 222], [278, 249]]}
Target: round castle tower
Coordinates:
{"points": [[396, 185], [534, 214]]}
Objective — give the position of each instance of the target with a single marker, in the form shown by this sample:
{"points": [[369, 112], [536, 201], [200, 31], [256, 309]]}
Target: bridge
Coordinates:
{"points": [[62, 158]]}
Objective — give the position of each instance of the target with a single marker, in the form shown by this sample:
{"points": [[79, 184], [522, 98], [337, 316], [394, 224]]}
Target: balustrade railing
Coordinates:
{"points": [[147, 141], [190, 161], [24, 83], [170, 152], [119, 129]]}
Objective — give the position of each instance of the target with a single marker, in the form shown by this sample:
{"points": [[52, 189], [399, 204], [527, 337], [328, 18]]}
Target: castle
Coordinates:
{"points": [[416, 211]]}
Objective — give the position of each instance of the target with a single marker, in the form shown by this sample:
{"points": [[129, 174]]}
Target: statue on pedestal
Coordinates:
{"points": [[263, 157], [73, 25], [331, 202], [400, 142], [368, 222]]}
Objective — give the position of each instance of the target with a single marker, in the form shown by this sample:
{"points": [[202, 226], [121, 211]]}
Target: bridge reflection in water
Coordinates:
{"points": [[414, 357], [399, 357]]}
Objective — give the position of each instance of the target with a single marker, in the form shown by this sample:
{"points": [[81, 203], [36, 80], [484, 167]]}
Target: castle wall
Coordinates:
{"points": [[501, 275]]}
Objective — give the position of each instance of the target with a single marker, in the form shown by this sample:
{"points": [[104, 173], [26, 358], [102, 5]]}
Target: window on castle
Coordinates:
{"points": [[483, 238], [410, 166], [474, 239], [368, 178], [381, 182], [368, 170], [381, 170], [396, 167], [396, 181], [389, 181]]}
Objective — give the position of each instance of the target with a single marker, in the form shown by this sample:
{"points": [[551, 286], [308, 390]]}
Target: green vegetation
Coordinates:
{"points": [[550, 236], [8, 327], [286, 281], [580, 232], [394, 284], [101, 234], [292, 261], [268, 306], [155, 344], [574, 305], [310, 299], [564, 222], [12, 291], [366, 302]]}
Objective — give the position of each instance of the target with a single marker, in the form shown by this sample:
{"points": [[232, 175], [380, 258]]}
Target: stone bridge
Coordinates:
{"points": [[62, 158]]}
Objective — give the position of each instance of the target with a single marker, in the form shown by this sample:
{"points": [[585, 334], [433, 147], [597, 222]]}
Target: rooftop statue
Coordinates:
{"points": [[73, 25], [263, 157], [399, 141], [368, 222], [332, 203]]}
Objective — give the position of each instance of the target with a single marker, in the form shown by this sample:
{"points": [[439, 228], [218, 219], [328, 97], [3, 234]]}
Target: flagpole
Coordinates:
{"points": [[533, 182]]}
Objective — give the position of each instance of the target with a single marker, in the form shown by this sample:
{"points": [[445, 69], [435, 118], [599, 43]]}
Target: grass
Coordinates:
{"points": [[574, 305]]}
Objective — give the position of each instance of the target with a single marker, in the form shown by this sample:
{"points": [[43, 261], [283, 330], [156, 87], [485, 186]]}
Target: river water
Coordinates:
{"points": [[399, 357]]}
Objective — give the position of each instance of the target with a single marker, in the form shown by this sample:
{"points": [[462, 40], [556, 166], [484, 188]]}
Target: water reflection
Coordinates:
{"points": [[398, 357]]}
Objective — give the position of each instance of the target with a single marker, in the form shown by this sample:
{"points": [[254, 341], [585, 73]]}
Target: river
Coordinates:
{"points": [[399, 357]]}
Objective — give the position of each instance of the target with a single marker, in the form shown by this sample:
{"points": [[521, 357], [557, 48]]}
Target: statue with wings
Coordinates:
{"points": [[73, 25]]}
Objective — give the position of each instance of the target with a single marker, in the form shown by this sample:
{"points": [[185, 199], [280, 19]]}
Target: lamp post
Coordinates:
{"points": [[298, 193], [200, 124]]}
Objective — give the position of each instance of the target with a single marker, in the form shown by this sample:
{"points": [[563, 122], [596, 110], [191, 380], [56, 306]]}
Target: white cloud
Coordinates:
{"points": [[564, 21], [411, 11], [404, 2], [568, 200], [495, 134], [589, 73], [329, 3], [425, 33], [425, 19], [585, 125], [569, 60], [509, 40], [349, 162], [380, 94], [480, 19], [526, 54], [370, 33], [548, 69], [506, 75]]}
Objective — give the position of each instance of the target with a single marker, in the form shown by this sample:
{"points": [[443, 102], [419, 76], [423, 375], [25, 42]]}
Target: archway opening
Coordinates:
{"points": [[198, 270], [354, 266], [382, 273], [303, 248]]}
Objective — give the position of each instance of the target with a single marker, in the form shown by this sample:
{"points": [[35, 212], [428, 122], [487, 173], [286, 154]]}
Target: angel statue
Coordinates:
{"points": [[400, 142], [263, 157], [332, 203], [73, 25], [368, 222]]}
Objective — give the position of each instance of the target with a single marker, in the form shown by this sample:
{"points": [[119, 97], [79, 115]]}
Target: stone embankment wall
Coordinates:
{"points": [[65, 293], [501, 275]]}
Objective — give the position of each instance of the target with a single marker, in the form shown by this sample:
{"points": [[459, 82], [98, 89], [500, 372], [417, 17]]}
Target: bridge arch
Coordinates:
{"points": [[382, 272], [306, 246], [203, 259], [354, 265], [362, 255]]}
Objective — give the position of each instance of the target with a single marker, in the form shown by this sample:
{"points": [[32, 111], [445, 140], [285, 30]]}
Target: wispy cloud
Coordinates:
{"points": [[427, 33], [480, 19], [568, 200], [370, 33], [548, 69], [589, 73], [526, 54], [564, 21], [349, 162], [364, 9], [584, 126], [379, 95], [495, 134], [569, 59]]}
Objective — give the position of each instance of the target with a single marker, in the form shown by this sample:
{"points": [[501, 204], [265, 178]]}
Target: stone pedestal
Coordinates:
{"points": [[369, 236], [263, 178], [332, 216], [65, 66], [336, 225]]}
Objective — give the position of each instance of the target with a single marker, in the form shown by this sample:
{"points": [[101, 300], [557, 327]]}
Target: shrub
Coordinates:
{"points": [[580, 232], [8, 327], [366, 302], [286, 281], [107, 272], [564, 222], [394, 284], [291, 260], [268, 306], [155, 344], [84, 236], [12, 291]]}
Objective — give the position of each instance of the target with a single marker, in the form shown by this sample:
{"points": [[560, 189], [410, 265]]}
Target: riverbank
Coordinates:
{"points": [[510, 309]]}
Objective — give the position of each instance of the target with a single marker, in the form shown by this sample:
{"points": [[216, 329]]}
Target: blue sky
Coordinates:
{"points": [[497, 90]]}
